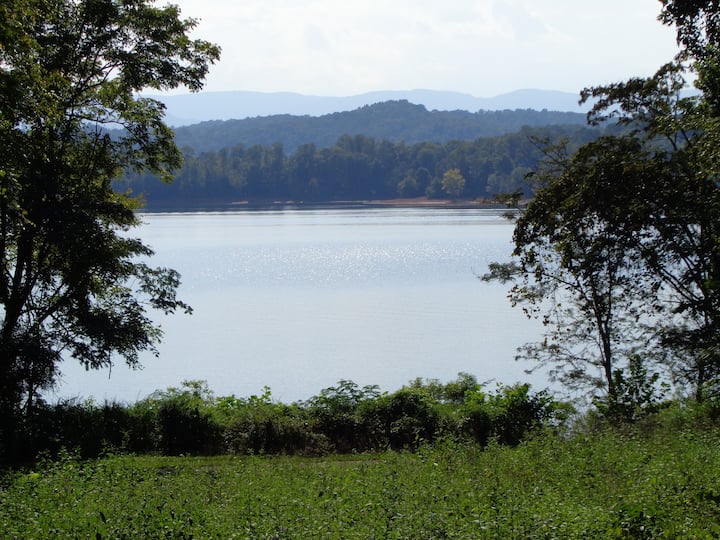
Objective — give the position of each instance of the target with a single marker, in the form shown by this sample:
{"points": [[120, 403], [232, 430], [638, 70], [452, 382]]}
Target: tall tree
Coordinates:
{"points": [[73, 282], [575, 268], [453, 183], [676, 212], [655, 189]]}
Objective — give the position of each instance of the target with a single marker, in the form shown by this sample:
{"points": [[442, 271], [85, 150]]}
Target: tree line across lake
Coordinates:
{"points": [[356, 167]]}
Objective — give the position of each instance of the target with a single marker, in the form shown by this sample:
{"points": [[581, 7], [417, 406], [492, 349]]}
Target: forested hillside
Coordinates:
{"points": [[356, 167], [192, 108], [391, 120]]}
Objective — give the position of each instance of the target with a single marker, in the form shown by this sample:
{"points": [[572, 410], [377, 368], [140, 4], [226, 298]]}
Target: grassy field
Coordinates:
{"points": [[608, 485]]}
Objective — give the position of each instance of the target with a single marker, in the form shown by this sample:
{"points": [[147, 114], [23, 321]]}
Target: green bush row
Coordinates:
{"points": [[341, 419]]}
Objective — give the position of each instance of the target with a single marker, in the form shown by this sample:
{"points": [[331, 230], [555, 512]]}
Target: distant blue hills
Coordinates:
{"points": [[187, 109]]}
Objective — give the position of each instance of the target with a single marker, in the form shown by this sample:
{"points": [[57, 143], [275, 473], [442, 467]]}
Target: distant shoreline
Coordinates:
{"points": [[424, 202], [416, 202]]}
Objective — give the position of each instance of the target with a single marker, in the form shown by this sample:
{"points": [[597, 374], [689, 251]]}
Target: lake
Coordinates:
{"points": [[299, 299]]}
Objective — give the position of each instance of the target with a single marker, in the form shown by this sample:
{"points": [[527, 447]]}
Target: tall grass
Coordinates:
{"points": [[660, 482]]}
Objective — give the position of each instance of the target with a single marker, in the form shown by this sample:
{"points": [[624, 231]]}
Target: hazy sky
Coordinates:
{"points": [[480, 47]]}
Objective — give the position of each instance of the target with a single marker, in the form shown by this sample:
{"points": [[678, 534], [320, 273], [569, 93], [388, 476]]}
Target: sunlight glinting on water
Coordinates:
{"points": [[299, 300]]}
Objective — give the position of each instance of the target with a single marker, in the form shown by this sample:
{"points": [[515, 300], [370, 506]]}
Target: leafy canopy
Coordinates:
{"points": [[73, 282], [620, 248]]}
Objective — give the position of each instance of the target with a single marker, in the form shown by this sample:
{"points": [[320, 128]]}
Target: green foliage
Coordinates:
{"points": [[576, 268], [660, 484], [258, 425], [73, 283], [453, 183], [637, 393], [393, 121], [454, 392], [336, 415], [618, 251], [87, 428], [507, 416], [184, 429], [345, 418], [672, 215], [400, 420], [359, 167]]}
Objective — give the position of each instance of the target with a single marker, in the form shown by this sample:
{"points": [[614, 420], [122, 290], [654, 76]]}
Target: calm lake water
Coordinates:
{"points": [[298, 300]]}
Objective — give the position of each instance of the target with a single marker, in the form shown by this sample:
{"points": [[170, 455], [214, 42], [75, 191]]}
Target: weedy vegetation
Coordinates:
{"points": [[656, 479], [439, 461]]}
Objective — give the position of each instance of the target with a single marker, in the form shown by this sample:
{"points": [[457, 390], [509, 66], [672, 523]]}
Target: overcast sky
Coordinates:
{"points": [[479, 47]]}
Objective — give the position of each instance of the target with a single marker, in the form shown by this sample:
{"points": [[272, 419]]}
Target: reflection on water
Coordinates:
{"points": [[298, 300]]}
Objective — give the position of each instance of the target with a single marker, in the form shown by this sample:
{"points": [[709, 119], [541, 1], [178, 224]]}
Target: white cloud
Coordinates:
{"points": [[483, 47]]}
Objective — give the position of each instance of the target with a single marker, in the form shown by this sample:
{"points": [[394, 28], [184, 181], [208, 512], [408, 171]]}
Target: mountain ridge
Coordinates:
{"points": [[187, 109], [396, 121]]}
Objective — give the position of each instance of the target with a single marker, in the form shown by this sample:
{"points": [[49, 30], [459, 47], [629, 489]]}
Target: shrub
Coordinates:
{"points": [[176, 421], [638, 393], [258, 425], [341, 419], [400, 420], [453, 393], [508, 415], [334, 415], [184, 429], [84, 427]]}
